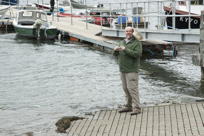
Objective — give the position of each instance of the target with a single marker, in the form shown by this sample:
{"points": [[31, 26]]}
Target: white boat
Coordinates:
{"points": [[34, 24], [183, 8], [3, 10]]}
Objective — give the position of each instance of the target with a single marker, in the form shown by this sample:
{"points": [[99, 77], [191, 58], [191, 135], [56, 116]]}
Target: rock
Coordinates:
{"points": [[64, 123]]}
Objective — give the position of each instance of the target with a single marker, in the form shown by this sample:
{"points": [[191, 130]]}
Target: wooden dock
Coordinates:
{"points": [[166, 120]]}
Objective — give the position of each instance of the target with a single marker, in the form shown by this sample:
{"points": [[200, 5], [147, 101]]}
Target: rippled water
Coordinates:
{"points": [[41, 82]]}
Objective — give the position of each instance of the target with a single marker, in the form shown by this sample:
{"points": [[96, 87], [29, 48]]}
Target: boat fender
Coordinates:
{"points": [[37, 25], [61, 10]]}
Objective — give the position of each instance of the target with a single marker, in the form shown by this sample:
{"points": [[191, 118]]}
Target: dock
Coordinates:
{"points": [[83, 31], [163, 120]]}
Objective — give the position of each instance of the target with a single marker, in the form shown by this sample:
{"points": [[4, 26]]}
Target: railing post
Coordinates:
{"points": [[126, 23], [173, 13], [201, 48], [158, 9], [189, 13], [71, 15], [57, 10], [86, 16], [132, 14], [121, 25]]}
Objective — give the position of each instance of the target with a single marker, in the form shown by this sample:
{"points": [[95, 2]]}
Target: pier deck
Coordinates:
{"points": [[164, 120]]}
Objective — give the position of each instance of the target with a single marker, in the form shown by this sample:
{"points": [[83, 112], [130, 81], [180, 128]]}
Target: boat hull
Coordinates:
{"points": [[46, 34], [181, 22]]}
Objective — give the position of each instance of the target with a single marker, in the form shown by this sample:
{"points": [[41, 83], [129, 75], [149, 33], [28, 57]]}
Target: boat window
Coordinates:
{"points": [[41, 16], [27, 14], [182, 3], [197, 2]]}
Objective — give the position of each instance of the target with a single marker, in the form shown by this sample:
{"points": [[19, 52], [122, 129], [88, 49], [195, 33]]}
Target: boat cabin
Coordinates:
{"points": [[30, 17]]}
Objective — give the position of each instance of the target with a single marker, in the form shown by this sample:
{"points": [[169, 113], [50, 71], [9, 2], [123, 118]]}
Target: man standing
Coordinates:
{"points": [[129, 52]]}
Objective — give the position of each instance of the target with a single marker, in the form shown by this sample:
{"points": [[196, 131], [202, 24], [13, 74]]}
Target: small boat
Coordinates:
{"points": [[34, 24], [158, 49], [103, 16], [78, 5], [182, 8], [42, 6]]}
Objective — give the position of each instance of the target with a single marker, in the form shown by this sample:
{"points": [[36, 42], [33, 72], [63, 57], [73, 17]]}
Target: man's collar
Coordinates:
{"points": [[129, 40]]}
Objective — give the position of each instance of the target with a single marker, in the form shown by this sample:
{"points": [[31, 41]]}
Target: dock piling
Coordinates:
{"points": [[201, 47]]}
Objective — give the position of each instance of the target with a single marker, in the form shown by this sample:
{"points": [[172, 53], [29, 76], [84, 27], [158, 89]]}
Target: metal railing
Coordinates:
{"points": [[144, 14]]}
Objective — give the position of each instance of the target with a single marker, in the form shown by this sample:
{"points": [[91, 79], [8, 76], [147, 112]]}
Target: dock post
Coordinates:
{"points": [[201, 47], [198, 60], [202, 74]]}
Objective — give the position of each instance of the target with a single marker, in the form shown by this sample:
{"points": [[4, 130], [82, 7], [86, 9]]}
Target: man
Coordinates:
{"points": [[128, 53]]}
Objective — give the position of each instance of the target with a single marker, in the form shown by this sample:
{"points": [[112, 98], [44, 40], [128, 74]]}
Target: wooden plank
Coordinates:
{"points": [[168, 125], [144, 122], [93, 123], [132, 126], [98, 124], [161, 121], [120, 124], [101, 129], [126, 125], [201, 113], [174, 120], [104, 123], [138, 124], [155, 121], [97, 114], [149, 131], [74, 128], [186, 120], [86, 126], [80, 127], [199, 122], [110, 122], [70, 128], [181, 127], [193, 123], [115, 124]]}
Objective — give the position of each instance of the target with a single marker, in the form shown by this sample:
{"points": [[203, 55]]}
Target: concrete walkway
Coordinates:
{"points": [[166, 120]]}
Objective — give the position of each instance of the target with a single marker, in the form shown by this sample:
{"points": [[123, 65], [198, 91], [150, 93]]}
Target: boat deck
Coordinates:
{"points": [[166, 120]]}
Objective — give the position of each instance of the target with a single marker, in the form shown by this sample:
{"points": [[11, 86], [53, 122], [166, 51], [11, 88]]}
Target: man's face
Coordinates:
{"points": [[128, 33]]}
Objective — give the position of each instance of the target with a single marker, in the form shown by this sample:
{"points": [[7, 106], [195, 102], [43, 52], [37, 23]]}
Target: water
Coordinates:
{"points": [[41, 82]]}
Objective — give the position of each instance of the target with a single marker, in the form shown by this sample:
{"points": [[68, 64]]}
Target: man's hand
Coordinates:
{"points": [[119, 48]]}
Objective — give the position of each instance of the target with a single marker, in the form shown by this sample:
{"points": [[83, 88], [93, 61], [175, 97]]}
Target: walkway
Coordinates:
{"points": [[166, 120]]}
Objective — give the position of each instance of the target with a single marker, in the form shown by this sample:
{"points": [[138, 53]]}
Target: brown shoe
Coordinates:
{"points": [[126, 109], [135, 112]]}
